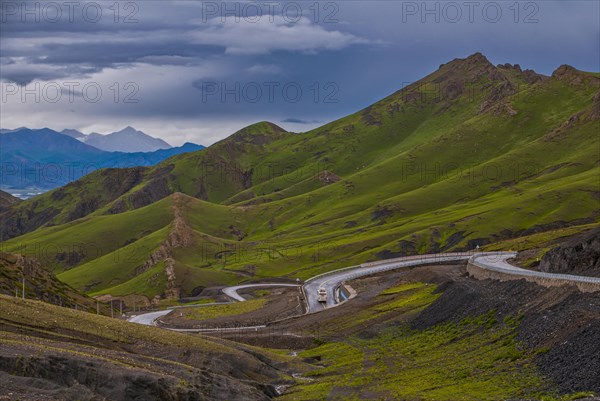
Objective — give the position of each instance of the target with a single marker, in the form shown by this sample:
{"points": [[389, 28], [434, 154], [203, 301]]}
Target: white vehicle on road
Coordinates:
{"points": [[322, 295]]}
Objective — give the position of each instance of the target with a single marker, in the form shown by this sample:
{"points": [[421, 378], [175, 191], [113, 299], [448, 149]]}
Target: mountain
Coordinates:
{"points": [[7, 200], [472, 154], [47, 159], [6, 131], [127, 140], [73, 133], [43, 145]]}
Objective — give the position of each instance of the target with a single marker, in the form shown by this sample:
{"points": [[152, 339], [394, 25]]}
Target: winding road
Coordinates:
{"points": [[231, 292], [332, 280], [492, 261], [498, 264], [149, 319]]}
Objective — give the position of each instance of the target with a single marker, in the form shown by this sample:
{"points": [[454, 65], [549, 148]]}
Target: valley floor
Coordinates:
{"points": [[426, 333], [433, 333]]}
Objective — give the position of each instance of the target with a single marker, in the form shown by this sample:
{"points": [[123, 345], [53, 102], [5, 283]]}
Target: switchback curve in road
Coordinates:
{"points": [[494, 261]]}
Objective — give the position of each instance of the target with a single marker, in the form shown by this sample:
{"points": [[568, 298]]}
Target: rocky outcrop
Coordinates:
{"points": [[580, 256], [180, 236], [594, 113], [569, 74], [172, 291], [327, 177], [529, 76]]}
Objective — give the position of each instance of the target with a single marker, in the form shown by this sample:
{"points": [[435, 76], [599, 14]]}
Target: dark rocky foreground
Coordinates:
{"points": [[562, 323]]}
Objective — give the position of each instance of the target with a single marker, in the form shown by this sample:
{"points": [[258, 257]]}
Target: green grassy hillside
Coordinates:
{"points": [[48, 352], [470, 155]]}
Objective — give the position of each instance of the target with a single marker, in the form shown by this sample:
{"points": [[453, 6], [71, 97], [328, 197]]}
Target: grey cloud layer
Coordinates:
{"points": [[178, 48], [81, 47]]}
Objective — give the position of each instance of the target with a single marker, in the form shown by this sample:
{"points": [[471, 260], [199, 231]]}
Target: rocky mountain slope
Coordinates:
{"points": [[579, 255], [7, 200], [470, 155]]}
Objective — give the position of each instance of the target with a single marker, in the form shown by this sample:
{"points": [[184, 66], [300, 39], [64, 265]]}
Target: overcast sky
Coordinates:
{"points": [[198, 71]]}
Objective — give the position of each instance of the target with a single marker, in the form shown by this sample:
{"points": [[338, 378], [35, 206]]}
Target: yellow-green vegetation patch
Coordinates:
{"points": [[416, 297], [402, 288], [261, 293], [476, 359], [232, 309], [167, 303], [403, 300]]}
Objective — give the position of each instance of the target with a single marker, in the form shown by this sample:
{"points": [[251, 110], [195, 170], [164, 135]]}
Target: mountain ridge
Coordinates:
{"points": [[126, 140], [469, 155]]}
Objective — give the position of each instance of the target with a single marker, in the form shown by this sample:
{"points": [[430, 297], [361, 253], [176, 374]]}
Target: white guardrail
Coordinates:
{"points": [[493, 263], [431, 258]]}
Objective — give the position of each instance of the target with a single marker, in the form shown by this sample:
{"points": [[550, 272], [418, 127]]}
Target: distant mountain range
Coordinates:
{"points": [[46, 159], [127, 140]]}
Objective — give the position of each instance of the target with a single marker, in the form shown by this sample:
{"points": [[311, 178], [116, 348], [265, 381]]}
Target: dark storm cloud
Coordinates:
{"points": [[44, 45], [174, 51], [24, 74], [141, 34]]}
